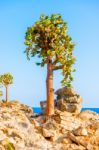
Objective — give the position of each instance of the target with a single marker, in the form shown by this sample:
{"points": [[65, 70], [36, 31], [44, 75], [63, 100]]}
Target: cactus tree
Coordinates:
{"points": [[48, 39], [6, 79]]}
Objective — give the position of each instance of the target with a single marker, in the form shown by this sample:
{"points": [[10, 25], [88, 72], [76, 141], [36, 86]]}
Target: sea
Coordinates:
{"points": [[39, 110]]}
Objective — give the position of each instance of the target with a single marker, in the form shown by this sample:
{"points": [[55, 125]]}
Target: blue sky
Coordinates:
{"points": [[29, 80]]}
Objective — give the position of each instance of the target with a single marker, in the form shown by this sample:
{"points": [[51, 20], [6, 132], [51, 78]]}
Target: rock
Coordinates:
{"points": [[65, 91], [48, 134], [67, 121], [61, 105], [17, 127], [72, 99], [50, 129], [51, 124], [76, 140], [73, 147], [80, 132], [83, 141], [19, 146], [68, 100], [2, 136], [88, 115], [72, 108], [69, 107], [2, 147], [66, 141], [62, 131], [43, 105]]}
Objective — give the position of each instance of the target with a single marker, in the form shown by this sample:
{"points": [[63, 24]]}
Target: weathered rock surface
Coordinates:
{"points": [[17, 130], [65, 91], [68, 100], [21, 129]]}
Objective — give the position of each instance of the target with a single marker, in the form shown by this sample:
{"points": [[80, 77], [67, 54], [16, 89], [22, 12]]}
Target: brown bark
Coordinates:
{"points": [[50, 90], [58, 67], [6, 93]]}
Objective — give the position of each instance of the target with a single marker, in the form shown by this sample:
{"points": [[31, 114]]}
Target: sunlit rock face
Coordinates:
{"points": [[21, 129], [17, 132], [74, 132], [68, 100]]}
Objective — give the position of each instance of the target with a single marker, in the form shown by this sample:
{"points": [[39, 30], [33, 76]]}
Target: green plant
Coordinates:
{"points": [[6, 79], [48, 39], [1, 93], [9, 145]]}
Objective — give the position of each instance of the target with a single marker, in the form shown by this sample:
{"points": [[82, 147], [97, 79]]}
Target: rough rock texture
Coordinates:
{"points": [[43, 105], [21, 129], [68, 100], [16, 128]]}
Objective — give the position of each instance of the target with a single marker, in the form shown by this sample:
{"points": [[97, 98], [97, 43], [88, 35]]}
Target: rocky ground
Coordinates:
{"points": [[21, 129]]}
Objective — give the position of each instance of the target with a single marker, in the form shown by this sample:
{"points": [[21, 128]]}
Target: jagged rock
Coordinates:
{"points": [[69, 107], [62, 131], [80, 131], [2, 136], [65, 91], [43, 105], [49, 129], [73, 147], [67, 120], [79, 141], [72, 99], [68, 100], [16, 126], [48, 134], [66, 141], [88, 115]]}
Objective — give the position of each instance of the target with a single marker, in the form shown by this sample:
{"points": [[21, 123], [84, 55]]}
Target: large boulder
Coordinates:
{"points": [[68, 100]]}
